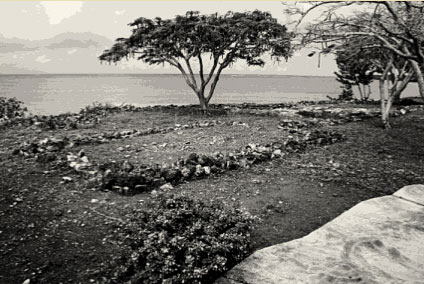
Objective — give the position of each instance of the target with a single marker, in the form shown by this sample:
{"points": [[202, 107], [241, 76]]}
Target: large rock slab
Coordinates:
{"points": [[414, 193], [380, 240]]}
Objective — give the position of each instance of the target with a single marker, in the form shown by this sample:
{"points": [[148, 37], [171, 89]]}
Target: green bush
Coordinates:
{"points": [[11, 108], [180, 240]]}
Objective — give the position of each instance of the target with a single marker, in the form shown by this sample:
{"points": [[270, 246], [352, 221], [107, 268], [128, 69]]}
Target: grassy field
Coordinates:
{"points": [[60, 232]]}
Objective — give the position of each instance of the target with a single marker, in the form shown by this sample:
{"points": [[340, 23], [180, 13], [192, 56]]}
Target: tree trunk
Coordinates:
{"points": [[386, 103], [419, 76], [385, 112], [360, 91], [203, 101], [396, 98], [368, 92]]}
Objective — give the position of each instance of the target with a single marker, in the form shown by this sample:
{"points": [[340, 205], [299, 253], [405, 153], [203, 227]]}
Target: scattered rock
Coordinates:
{"points": [[67, 179], [118, 175], [166, 186]]}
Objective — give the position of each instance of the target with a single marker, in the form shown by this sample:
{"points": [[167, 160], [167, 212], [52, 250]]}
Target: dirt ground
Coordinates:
{"points": [[56, 232]]}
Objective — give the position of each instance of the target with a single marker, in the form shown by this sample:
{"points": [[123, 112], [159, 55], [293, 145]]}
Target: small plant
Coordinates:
{"points": [[181, 240], [99, 109], [11, 108]]}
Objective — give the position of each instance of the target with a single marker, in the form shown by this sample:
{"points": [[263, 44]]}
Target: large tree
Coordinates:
{"points": [[211, 42]]}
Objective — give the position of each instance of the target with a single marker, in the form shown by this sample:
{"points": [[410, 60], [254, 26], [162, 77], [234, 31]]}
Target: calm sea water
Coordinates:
{"points": [[53, 94]]}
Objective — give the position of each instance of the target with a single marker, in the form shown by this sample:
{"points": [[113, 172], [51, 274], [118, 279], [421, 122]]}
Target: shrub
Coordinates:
{"points": [[181, 240], [11, 108]]}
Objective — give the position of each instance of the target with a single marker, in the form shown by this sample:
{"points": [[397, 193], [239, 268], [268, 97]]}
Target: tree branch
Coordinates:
{"points": [[215, 64], [183, 72], [386, 43], [193, 79], [202, 77]]}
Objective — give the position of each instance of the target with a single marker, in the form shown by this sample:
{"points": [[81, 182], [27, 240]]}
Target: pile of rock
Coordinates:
{"points": [[88, 116], [48, 146], [80, 163], [125, 178], [344, 114], [293, 126], [323, 111]]}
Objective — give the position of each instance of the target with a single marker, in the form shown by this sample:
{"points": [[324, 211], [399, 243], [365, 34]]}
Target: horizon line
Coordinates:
{"points": [[166, 74]]}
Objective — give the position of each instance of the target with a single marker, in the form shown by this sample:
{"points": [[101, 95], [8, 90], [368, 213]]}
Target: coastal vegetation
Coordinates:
{"points": [[208, 41], [385, 36]]}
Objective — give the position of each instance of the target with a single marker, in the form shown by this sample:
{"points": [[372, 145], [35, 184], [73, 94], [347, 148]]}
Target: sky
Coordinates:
{"points": [[34, 20]]}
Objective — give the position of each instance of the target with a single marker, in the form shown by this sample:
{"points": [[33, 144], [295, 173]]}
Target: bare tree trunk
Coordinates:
{"points": [[368, 92], [203, 101], [385, 102], [386, 113], [364, 91], [360, 91], [419, 75], [396, 98]]}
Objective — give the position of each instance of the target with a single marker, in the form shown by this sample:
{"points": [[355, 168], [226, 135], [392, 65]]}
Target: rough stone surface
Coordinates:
{"points": [[380, 240], [414, 193]]}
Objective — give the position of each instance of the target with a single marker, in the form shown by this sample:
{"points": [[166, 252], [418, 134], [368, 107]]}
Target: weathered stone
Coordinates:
{"points": [[140, 187], [276, 154], [67, 179], [84, 159], [414, 193], [207, 170], [166, 186], [199, 171], [377, 241], [171, 174]]}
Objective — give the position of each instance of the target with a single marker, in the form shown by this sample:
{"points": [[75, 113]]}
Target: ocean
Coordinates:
{"points": [[54, 94]]}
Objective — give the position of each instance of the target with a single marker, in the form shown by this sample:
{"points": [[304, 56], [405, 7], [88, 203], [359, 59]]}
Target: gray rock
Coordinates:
{"points": [[414, 193], [84, 159], [276, 153], [166, 186], [377, 241], [207, 170], [67, 179]]}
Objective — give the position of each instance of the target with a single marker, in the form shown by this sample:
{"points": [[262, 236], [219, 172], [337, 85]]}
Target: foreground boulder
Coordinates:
{"points": [[377, 241]]}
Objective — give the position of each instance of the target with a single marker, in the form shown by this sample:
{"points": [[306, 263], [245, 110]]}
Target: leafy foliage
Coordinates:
{"points": [[222, 39], [181, 240], [394, 26], [11, 108]]}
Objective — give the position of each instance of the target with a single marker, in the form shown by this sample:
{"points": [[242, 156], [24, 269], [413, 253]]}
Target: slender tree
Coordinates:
{"points": [[355, 66], [202, 41], [363, 65]]}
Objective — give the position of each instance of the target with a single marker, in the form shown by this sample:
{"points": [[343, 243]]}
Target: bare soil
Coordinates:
{"points": [[56, 232]]}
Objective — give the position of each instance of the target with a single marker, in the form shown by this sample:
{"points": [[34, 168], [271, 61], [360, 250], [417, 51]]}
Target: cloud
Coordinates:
{"points": [[60, 10], [70, 43], [119, 13], [6, 47], [42, 59]]}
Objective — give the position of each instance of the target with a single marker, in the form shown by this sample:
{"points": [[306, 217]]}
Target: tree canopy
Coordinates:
{"points": [[355, 66], [214, 41], [396, 26], [388, 36]]}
